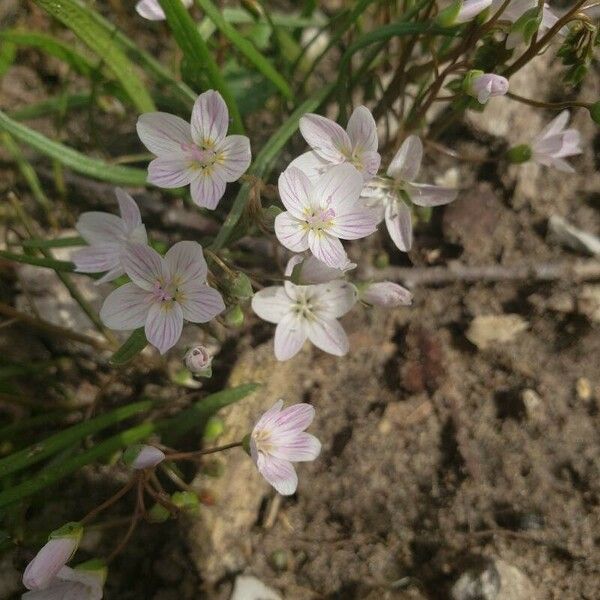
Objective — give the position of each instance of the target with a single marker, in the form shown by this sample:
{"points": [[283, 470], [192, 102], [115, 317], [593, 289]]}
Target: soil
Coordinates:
{"points": [[440, 458]]}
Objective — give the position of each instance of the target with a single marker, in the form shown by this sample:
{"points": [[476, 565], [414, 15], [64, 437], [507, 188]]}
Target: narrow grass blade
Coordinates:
{"points": [[38, 261], [134, 344]]}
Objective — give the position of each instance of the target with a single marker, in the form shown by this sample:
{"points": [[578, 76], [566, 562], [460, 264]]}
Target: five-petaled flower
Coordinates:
{"points": [[162, 294], [107, 235], [151, 9], [331, 145], [306, 312], [71, 584], [278, 439], [393, 196], [555, 143], [200, 154], [319, 214]]}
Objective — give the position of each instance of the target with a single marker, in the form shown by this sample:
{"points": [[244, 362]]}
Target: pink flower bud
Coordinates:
{"points": [[386, 294], [198, 359], [52, 557], [487, 85], [143, 457]]}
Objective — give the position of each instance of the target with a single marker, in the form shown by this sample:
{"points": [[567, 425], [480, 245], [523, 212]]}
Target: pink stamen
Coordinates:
{"points": [[200, 155]]}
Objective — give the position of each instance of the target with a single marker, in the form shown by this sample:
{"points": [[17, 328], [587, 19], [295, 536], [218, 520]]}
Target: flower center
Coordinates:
{"points": [[320, 219], [201, 157], [262, 439]]}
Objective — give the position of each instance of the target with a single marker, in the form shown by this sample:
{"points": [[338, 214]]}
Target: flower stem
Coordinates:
{"points": [[198, 453]]}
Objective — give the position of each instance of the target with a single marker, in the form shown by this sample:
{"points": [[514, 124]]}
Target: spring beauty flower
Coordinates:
{"points": [[385, 294], [319, 214], [81, 583], [53, 556], [484, 86], [304, 312], [162, 294], [555, 143], [332, 145], [142, 456], [394, 195], [151, 9], [200, 154], [198, 359], [107, 235], [278, 440]]}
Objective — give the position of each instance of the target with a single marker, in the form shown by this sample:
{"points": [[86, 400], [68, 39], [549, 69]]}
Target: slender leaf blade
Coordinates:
{"points": [[134, 344]]}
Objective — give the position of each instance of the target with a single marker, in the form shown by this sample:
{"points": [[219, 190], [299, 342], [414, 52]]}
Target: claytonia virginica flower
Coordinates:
{"points": [[142, 456], [318, 215], [162, 294], [391, 195], [278, 439], [331, 145], [555, 143], [200, 154], [107, 235], [487, 85], [385, 294], [198, 359], [151, 9], [304, 312], [72, 584]]}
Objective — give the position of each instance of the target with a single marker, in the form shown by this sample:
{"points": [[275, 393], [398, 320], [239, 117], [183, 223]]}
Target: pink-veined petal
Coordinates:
{"points": [[295, 190], [186, 262], [294, 418], [398, 220], [290, 335], [338, 187], [311, 164], [130, 213], [268, 416], [50, 559], [334, 299], [327, 249], [145, 266], [164, 134], [279, 473], [234, 157], [406, 164], [328, 335], [98, 228], [362, 130], [300, 447], [200, 303], [210, 119], [291, 232], [354, 222], [326, 138], [164, 324], [424, 194], [370, 164], [170, 173], [313, 271], [110, 275], [561, 165], [126, 308], [208, 188], [271, 304], [97, 259], [555, 126]]}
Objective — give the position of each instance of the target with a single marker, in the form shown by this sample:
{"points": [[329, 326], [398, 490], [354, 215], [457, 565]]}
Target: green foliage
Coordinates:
{"points": [[134, 344], [577, 51]]}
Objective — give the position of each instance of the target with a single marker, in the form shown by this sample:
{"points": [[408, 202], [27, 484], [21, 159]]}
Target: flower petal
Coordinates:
{"points": [[294, 418], [354, 222], [328, 335], [334, 299], [97, 259], [271, 304], [130, 213], [268, 416], [186, 262], [300, 447], [164, 325], [327, 249], [295, 190], [362, 130], [279, 473], [398, 220], [144, 265], [339, 186], [291, 232], [210, 119], [370, 165], [110, 275], [325, 137], [170, 173], [208, 188], [234, 157], [555, 126], [424, 194], [200, 302], [386, 294], [98, 228], [290, 335], [164, 134], [470, 9], [126, 308], [407, 162], [51, 558], [150, 9], [311, 164]]}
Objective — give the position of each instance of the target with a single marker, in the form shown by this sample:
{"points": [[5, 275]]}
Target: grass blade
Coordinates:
{"points": [[38, 261], [134, 344]]}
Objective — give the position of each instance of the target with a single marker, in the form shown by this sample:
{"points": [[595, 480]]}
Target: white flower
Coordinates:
{"points": [[151, 9], [71, 584], [469, 9], [308, 270], [488, 85], [386, 294], [306, 312], [554, 143]]}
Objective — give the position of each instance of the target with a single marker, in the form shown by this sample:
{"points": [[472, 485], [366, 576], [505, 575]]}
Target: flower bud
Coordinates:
{"points": [[199, 360], [158, 514], [519, 154], [483, 86], [239, 287], [386, 294], [595, 112], [234, 317], [52, 557], [186, 501], [141, 456], [213, 429]]}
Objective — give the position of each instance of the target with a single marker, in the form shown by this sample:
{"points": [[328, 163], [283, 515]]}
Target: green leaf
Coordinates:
{"points": [[79, 19], [37, 261], [8, 53], [95, 168], [198, 55], [53, 444], [134, 344], [246, 48], [264, 161]]}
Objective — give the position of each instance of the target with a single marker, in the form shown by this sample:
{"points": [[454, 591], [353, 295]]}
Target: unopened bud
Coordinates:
{"points": [[158, 514], [141, 456], [239, 287], [386, 294], [483, 86], [519, 154], [186, 501], [199, 360], [234, 317]]}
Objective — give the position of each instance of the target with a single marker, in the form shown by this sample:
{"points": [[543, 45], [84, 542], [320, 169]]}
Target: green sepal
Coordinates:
{"points": [[72, 529], [519, 154]]}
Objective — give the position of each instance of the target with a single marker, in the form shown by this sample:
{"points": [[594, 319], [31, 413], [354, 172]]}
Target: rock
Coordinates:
{"points": [[493, 579], [247, 587], [534, 405], [588, 302], [487, 330]]}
